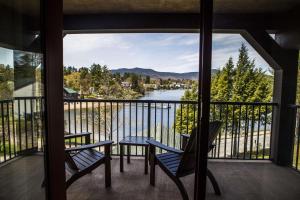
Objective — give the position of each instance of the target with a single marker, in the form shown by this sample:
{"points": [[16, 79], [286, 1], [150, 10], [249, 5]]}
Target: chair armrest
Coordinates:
{"points": [[162, 146], [89, 146], [211, 147], [187, 136], [70, 136], [184, 141]]}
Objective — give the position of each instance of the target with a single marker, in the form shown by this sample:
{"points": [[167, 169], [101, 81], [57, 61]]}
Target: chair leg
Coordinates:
{"points": [[181, 188], [152, 169], [214, 182], [107, 166]]}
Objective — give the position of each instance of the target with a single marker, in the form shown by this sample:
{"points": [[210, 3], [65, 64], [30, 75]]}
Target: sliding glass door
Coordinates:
{"points": [[22, 132]]}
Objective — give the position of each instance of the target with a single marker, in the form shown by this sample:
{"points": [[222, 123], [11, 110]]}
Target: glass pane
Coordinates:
{"points": [[21, 101], [252, 94]]}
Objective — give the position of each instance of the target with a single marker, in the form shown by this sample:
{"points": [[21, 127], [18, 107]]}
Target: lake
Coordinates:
{"points": [[163, 95], [115, 121]]}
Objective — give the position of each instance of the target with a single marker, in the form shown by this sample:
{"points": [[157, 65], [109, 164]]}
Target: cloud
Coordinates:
{"points": [[160, 51]]}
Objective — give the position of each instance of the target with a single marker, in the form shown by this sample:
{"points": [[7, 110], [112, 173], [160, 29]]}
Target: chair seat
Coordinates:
{"points": [[86, 158], [169, 161]]}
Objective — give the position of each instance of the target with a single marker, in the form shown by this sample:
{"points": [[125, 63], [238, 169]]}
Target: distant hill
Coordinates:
{"points": [[163, 75]]}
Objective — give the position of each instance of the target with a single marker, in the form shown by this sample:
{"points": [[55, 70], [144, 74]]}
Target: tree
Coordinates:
{"points": [[147, 81], [222, 84], [85, 81], [6, 82], [241, 83], [298, 82]]}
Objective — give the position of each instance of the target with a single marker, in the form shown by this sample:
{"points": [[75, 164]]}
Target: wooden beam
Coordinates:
{"points": [[267, 47], [166, 22]]}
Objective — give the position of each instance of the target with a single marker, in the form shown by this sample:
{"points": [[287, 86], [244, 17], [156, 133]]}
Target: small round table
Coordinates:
{"points": [[134, 141]]}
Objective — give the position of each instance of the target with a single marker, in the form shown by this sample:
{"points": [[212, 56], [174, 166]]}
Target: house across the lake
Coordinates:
{"points": [[70, 93]]}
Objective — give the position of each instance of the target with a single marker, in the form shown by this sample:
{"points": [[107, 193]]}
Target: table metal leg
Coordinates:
{"points": [[146, 159], [121, 158], [128, 154]]}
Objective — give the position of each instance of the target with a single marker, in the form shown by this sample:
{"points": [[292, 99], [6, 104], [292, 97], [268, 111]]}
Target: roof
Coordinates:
{"points": [[70, 91], [176, 6], [161, 6]]}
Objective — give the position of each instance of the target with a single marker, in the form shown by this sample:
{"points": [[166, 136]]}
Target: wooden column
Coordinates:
{"points": [[54, 118], [203, 98]]}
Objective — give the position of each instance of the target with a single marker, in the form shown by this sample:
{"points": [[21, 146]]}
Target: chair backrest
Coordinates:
{"points": [[188, 160]]}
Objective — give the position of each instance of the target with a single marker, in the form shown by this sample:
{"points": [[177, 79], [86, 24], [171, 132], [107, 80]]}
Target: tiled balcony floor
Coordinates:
{"points": [[238, 181]]}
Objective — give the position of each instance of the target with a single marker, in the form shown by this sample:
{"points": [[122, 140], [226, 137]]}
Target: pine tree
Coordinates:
{"points": [[222, 84]]}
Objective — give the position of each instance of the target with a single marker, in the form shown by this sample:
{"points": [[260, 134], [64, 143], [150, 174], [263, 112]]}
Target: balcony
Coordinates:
{"points": [[237, 179], [240, 160]]}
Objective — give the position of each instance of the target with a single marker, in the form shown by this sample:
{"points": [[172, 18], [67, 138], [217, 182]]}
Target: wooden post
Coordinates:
{"points": [[206, 14], [54, 112]]}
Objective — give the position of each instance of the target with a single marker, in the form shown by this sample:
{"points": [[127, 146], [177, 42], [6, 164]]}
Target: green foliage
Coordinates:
{"points": [[6, 82], [298, 82], [241, 83]]}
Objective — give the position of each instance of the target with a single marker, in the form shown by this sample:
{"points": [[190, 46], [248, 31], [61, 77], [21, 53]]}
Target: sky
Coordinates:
{"points": [[169, 52]]}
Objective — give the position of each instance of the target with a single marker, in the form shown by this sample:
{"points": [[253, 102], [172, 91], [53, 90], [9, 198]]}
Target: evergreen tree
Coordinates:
{"points": [[222, 85]]}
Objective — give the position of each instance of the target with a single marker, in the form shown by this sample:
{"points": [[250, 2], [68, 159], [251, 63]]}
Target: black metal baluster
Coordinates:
{"points": [[75, 124], [129, 118], [246, 133], [111, 121], [258, 130], [239, 131], [174, 131], [155, 122], [168, 125], [69, 122], [25, 116], [220, 134], [117, 128], [142, 125], [80, 113], [19, 125], [31, 123], [13, 127], [265, 130], [136, 125], [8, 129], [87, 116], [124, 107], [3, 131], [298, 140], [226, 129], [93, 121], [187, 118], [105, 131], [161, 123], [272, 119], [252, 131], [232, 133], [99, 122]]}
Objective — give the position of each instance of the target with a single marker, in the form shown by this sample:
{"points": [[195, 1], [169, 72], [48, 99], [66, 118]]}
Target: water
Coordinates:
{"points": [[164, 95], [128, 119]]}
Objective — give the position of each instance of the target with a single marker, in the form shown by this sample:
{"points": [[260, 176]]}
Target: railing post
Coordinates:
{"points": [[149, 120]]}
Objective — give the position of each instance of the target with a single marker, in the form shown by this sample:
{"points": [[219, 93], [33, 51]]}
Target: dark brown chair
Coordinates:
{"points": [[82, 159], [178, 163]]}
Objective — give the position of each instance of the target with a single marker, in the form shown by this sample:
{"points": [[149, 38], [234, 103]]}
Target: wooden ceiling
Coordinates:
{"points": [[176, 6]]}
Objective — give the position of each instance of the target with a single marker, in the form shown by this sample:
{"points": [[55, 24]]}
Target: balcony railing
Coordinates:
{"points": [[246, 132], [21, 127], [296, 147]]}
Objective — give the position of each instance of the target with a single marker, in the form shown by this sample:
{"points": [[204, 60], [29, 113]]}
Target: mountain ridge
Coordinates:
{"points": [[156, 74]]}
